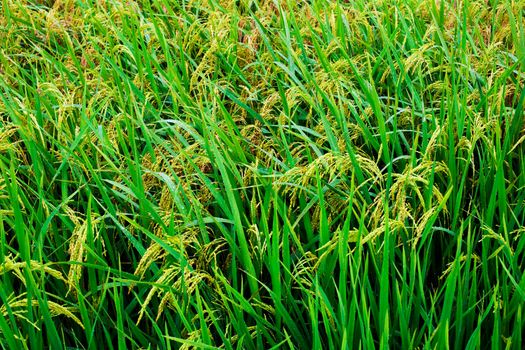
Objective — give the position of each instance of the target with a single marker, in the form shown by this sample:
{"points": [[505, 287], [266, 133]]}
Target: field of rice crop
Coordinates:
{"points": [[258, 174]]}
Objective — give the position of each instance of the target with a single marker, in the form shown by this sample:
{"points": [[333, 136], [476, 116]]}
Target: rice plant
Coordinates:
{"points": [[262, 174]]}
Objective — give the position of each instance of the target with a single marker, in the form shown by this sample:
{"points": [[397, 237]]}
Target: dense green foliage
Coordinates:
{"points": [[262, 174]]}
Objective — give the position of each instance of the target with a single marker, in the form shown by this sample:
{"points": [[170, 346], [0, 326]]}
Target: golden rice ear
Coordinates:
{"points": [[10, 265], [77, 244], [166, 278], [393, 226], [474, 258], [304, 270], [191, 339], [18, 307], [60, 310], [5, 143], [180, 279], [503, 242], [421, 224], [76, 254], [154, 254], [208, 254], [333, 244], [219, 26]]}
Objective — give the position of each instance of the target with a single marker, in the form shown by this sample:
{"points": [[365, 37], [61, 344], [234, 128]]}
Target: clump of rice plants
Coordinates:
{"points": [[258, 174]]}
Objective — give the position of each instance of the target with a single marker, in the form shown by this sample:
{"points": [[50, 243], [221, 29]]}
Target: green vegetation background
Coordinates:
{"points": [[262, 174]]}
